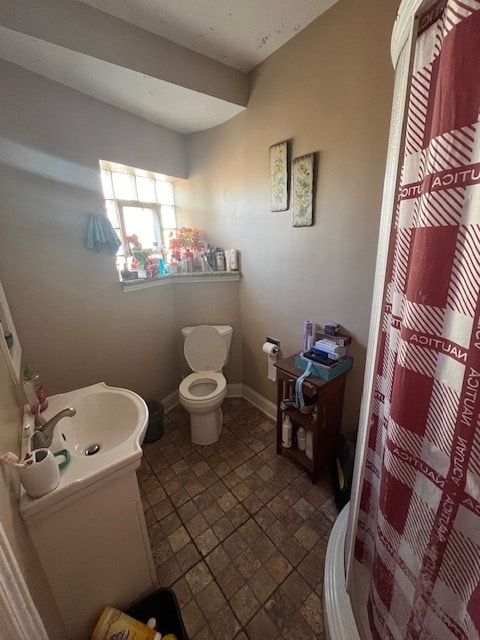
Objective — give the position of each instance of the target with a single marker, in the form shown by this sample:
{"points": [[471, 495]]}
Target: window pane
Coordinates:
{"points": [[107, 184], [124, 186], [164, 192], [168, 217], [143, 222], [150, 214], [166, 238], [146, 190], [112, 213], [121, 251]]}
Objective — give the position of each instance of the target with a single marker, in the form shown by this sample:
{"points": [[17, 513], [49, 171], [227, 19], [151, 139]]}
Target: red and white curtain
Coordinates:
{"points": [[418, 531]]}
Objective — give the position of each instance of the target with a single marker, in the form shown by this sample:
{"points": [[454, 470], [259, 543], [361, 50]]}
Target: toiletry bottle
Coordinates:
{"points": [[233, 259], [220, 258], [286, 432], [309, 445], [307, 335], [161, 263], [34, 390], [211, 258], [189, 258], [226, 254], [154, 259], [301, 442]]}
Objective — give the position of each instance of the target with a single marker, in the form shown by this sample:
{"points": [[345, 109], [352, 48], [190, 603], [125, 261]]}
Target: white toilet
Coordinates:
{"points": [[206, 349]]}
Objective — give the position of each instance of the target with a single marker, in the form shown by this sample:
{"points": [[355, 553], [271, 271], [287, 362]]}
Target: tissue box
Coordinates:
{"points": [[323, 371]]}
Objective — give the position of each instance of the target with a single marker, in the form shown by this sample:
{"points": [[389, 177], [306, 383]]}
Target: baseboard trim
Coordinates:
{"points": [[170, 401], [265, 406], [235, 390]]}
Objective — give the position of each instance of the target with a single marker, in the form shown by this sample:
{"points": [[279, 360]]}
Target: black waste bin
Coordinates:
{"points": [[163, 606], [155, 421]]}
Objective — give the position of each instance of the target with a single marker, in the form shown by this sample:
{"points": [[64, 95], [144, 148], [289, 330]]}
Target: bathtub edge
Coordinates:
{"points": [[338, 615]]}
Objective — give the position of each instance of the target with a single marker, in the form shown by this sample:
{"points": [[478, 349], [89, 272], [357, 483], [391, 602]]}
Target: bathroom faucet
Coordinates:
{"points": [[43, 434]]}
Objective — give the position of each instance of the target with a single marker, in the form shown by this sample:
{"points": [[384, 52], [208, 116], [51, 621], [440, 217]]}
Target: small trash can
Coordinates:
{"points": [[155, 421], [163, 606]]}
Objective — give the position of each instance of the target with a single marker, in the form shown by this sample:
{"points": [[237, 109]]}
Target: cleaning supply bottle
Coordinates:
{"points": [[301, 441], [286, 432], [34, 391]]}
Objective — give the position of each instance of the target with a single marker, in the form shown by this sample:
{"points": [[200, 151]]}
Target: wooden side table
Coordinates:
{"points": [[323, 421]]}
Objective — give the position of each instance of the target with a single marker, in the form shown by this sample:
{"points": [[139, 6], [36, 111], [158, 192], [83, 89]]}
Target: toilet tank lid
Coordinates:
{"points": [[223, 329]]}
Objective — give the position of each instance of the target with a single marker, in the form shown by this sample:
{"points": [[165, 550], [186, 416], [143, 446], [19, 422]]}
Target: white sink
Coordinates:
{"points": [[105, 419], [103, 437], [90, 532]]}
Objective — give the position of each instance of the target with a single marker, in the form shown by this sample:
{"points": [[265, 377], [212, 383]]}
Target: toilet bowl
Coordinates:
{"points": [[201, 393]]}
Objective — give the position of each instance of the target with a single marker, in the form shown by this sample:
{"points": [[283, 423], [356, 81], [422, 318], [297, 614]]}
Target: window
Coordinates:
{"points": [[138, 203]]}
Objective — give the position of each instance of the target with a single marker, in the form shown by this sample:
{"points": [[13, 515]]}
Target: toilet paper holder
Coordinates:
{"points": [[273, 341], [271, 347]]}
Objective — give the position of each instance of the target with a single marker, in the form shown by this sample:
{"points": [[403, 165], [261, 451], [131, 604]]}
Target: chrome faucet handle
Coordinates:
{"points": [[43, 433], [38, 440]]}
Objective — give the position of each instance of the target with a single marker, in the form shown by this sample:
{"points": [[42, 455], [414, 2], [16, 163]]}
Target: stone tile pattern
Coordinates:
{"points": [[238, 532]]}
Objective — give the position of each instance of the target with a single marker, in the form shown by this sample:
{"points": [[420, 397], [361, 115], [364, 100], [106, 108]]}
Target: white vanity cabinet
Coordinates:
{"points": [[94, 549]]}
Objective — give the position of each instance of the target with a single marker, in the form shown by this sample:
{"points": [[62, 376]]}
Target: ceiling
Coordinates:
{"points": [[239, 33], [182, 64]]}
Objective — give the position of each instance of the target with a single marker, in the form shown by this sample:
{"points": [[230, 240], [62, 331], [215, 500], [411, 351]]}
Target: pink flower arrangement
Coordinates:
{"points": [[184, 241]]}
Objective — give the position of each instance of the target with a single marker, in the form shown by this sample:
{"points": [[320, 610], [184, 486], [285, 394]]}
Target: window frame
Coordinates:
{"points": [[114, 206]]}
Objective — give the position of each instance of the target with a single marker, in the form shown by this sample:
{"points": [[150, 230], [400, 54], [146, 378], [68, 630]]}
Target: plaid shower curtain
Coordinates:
{"points": [[418, 531]]}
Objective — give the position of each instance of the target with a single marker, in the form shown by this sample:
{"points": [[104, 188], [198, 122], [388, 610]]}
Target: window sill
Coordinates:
{"points": [[182, 278]]}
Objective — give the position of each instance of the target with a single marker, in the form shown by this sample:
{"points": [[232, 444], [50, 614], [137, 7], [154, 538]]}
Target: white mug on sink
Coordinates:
{"points": [[42, 474]]}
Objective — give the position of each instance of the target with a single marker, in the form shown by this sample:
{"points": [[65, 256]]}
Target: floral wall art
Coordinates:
{"points": [[279, 176], [302, 185]]}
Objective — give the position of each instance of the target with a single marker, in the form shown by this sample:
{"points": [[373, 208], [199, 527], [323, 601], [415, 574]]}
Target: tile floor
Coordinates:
{"points": [[237, 531]]}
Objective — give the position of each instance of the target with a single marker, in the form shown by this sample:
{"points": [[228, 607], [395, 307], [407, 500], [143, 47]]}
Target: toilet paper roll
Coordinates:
{"points": [[272, 355]]}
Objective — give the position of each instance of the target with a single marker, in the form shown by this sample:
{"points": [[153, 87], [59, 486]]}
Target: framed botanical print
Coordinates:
{"points": [[302, 185], [279, 176]]}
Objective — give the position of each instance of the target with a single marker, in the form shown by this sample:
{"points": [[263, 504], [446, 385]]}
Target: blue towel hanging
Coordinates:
{"points": [[298, 386], [101, 236]]}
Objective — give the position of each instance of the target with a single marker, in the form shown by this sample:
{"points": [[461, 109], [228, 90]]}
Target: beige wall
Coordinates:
{"points": [[211, 304], [329, 91], [75, 323]]}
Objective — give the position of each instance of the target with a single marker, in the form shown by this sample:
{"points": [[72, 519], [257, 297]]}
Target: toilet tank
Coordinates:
{"points": [[225, 330]]}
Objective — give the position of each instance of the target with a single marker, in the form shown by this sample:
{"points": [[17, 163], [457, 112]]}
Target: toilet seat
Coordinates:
{"points": [[205, 349], [208, 376]]}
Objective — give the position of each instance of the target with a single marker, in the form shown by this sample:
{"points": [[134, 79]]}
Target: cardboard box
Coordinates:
{"points": [[323, 371]]}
